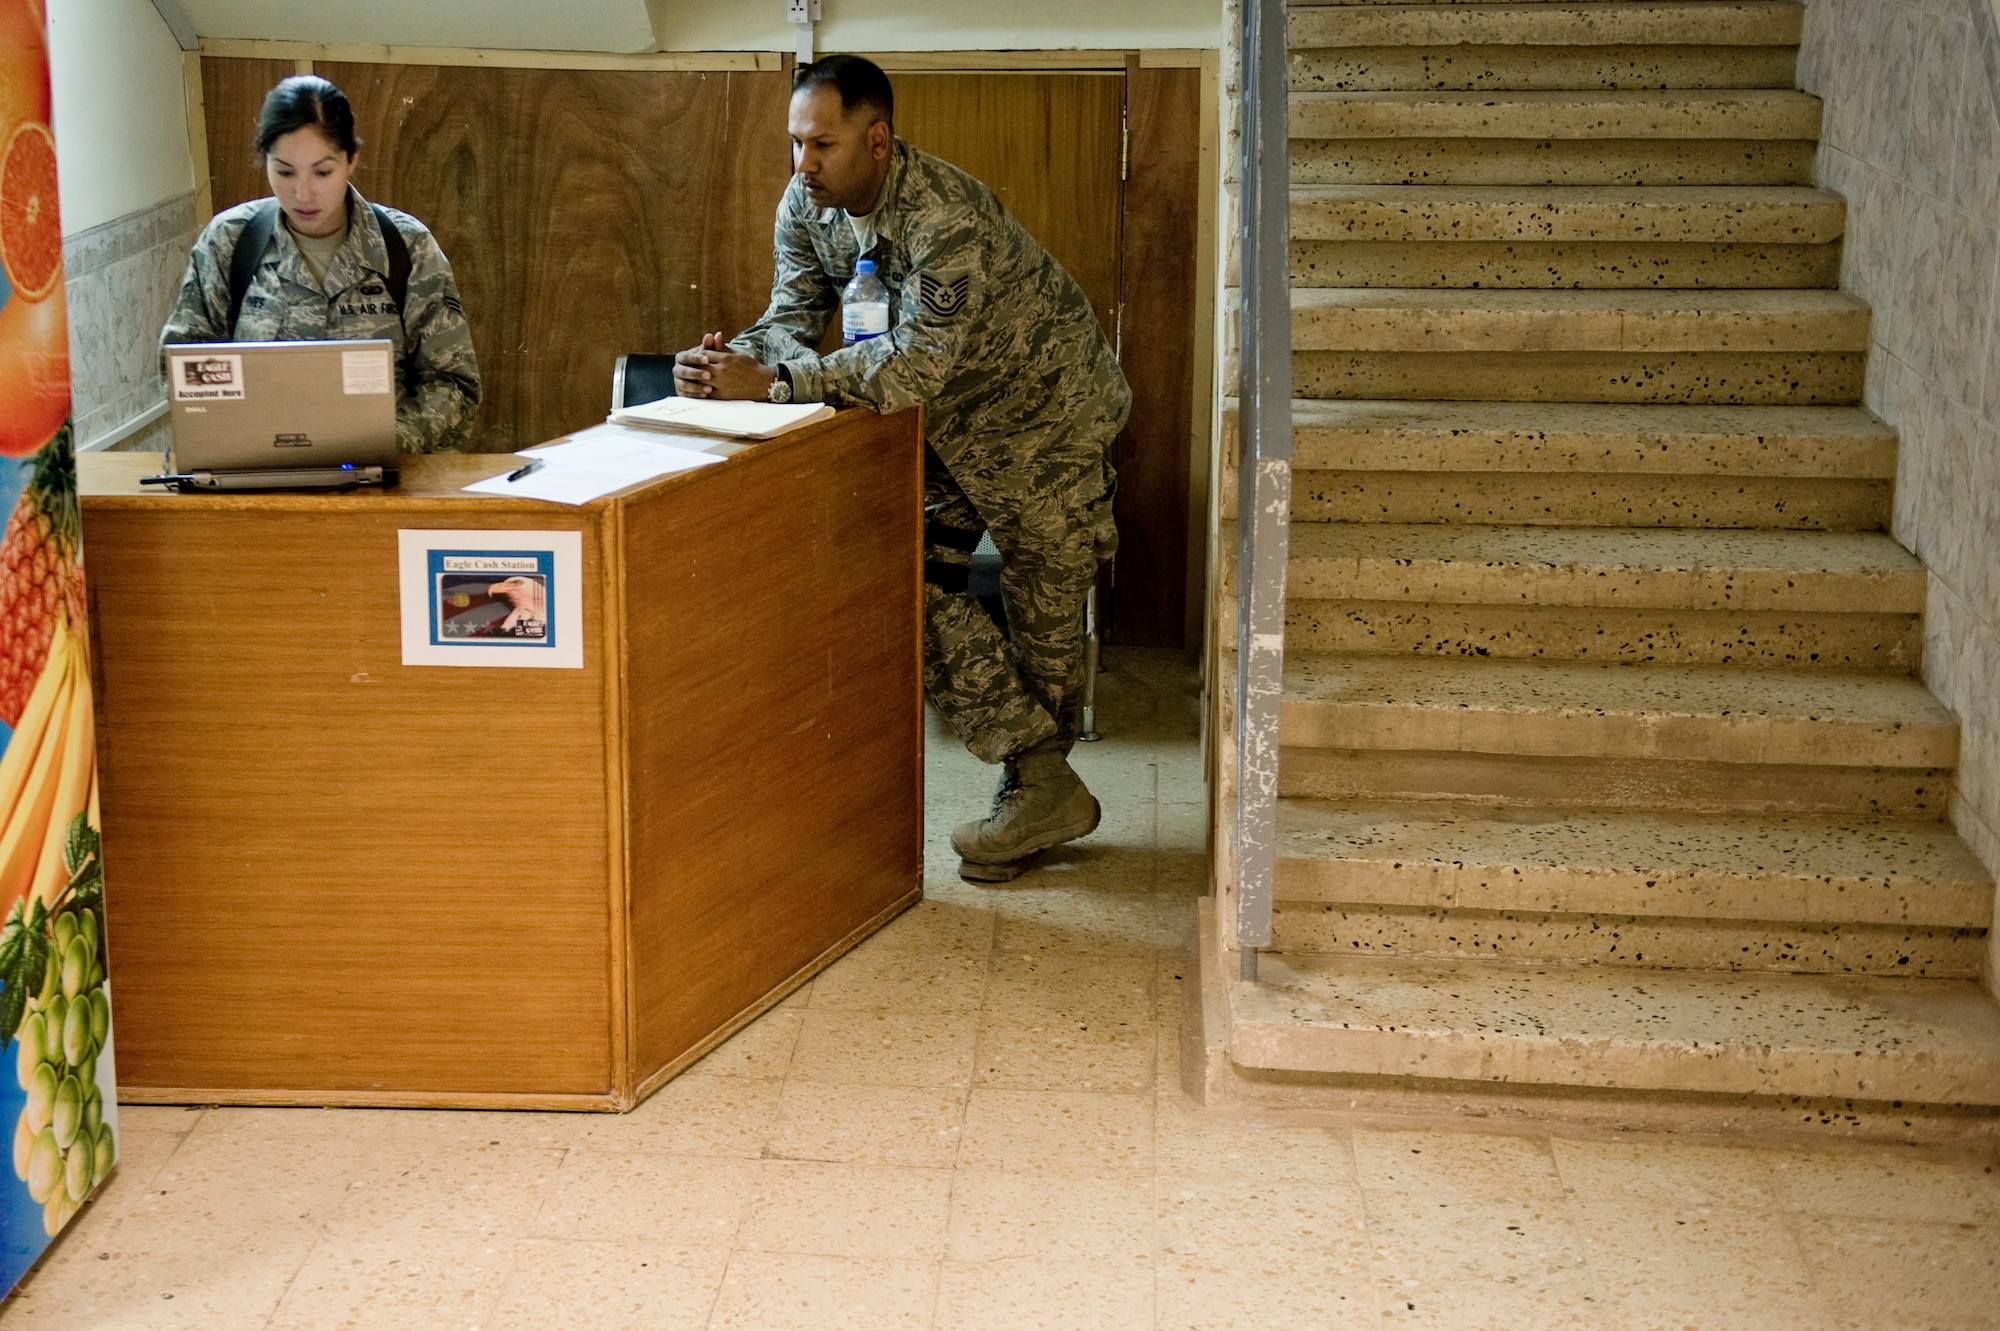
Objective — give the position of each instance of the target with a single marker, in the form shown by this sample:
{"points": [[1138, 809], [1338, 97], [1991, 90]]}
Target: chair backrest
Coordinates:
{"points": [[641, 377]]}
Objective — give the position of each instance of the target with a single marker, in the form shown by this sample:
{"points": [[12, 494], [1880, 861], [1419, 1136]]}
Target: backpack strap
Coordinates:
{"points": [[255, 238], [251, 242], [399, 262]]}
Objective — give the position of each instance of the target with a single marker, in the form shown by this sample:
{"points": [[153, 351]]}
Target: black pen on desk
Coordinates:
{"points": [[534, 465]]}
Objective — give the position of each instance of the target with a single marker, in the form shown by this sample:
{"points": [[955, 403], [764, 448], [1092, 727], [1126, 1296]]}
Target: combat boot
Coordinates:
{"points": [[1043, 803]]}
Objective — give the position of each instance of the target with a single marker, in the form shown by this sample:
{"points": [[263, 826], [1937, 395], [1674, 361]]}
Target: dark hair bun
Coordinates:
{"points": [[306, 100]]}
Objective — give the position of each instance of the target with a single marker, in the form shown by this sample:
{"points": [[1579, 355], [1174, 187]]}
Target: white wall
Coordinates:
{"points": [[1912, 140], [120, 110], [925, 25]]}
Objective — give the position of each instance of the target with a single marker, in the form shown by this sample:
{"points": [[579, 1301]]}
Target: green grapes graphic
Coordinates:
{"points": [[54, 1008]]}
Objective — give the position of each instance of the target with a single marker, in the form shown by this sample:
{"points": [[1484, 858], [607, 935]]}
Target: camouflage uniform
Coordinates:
{"points": [[1022, 397], [437, 389]]}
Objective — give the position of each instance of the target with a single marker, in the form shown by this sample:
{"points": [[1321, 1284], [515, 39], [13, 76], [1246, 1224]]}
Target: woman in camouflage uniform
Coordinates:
{"points": [[327, 272]]}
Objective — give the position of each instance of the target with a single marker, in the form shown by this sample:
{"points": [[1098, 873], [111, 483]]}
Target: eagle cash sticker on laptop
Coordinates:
{"points": [[206, 378], [363, 372]]}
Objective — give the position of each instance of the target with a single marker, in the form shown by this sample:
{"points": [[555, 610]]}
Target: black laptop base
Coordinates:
{"points": [[289, 478]]}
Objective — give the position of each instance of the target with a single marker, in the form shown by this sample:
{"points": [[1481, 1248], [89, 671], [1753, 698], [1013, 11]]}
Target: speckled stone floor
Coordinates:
{"points": [[975, 1121]]}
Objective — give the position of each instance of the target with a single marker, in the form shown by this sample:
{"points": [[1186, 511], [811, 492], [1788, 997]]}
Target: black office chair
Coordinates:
{"points": [[641, 377]]}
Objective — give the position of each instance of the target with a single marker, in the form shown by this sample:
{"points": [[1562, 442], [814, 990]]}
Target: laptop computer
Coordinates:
{"points": [[282, 415]]}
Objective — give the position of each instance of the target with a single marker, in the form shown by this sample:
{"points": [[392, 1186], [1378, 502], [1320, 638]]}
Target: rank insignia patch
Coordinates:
{"points": [[944, 299]]}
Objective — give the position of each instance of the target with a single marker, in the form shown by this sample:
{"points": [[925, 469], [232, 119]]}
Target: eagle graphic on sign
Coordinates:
{"points": [[944, 299]]}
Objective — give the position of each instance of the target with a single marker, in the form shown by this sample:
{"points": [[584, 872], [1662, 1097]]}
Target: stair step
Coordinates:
{"points": [[1843, 601], [1748, 378], [1538, 68], [1824, 442], [1576, 236], [1738, 215], [1784, 947], [1578, 264], [1357, 4], [1618, 635], [1371, 319], [1579, 464], [1734, 114], [1446, 160], [1706, 714], [1728, 867], [1623, 23], [1688, 503], [1861, 1037], [1800, 572]]}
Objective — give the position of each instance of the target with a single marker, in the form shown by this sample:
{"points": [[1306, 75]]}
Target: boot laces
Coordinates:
{"points": [[1011, 795]]}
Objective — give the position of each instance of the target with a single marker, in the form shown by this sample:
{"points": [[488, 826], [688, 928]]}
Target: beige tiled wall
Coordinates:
{"points": [[1912, 139], [121, 279]]}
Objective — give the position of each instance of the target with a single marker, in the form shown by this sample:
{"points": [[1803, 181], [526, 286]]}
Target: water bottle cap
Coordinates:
{"points": [[865, 266]]}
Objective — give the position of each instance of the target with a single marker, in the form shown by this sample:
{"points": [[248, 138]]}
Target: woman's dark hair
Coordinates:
{"points": [[858, 80], [302, 100]]}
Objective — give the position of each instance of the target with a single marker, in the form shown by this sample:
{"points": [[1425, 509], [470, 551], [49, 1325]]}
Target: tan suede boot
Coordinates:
{"points": [[1044, 805]]}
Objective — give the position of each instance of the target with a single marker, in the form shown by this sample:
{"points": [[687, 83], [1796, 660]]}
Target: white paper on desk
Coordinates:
{"points": [[731, 420], [593, 463], [626, 450], [558, 485]]}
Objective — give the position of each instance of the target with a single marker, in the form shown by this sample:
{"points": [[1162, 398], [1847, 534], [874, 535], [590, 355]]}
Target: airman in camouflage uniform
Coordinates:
{"points": [[1022, 396], [437, 387]]}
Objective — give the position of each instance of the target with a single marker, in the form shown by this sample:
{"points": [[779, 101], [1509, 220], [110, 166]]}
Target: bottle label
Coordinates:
{"points": [[858, 323]]}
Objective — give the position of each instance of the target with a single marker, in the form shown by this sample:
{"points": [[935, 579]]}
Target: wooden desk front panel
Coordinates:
{"points": [[329, 870], [774, 718]]}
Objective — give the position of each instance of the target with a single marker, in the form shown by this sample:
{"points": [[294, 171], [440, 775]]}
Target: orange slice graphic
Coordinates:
{"points": [[30, 226]]}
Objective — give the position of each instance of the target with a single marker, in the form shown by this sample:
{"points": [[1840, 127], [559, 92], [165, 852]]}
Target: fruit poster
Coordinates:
{"points": [[59, 1106]]}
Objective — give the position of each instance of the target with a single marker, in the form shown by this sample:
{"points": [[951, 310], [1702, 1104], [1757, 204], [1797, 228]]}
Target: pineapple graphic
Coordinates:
{"points": [[41, 574]]}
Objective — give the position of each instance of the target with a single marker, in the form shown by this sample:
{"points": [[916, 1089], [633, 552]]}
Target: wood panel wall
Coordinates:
{"points": [[585, 213], [589, 213]]}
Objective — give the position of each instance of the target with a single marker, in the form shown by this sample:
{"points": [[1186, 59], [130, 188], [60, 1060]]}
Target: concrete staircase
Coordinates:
{"points": [[1605, 767]]}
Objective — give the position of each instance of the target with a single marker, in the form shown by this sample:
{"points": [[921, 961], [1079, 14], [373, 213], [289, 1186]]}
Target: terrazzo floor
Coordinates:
{"points": [[975, 1121]]}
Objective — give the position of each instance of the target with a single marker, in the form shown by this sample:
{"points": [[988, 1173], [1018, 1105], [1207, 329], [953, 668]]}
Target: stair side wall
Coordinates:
{"points": [[1911, 136], [1219, 641]]}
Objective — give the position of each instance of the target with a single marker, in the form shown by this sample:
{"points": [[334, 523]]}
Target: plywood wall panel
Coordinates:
{"points": [[585, 213], [232, 92], [1047, 144]]}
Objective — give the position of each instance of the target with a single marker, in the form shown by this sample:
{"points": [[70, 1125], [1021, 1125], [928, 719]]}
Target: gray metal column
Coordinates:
{"points": [[1264, 467]]}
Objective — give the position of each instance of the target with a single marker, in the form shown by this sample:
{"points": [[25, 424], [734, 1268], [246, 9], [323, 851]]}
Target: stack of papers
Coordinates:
{"points": [[596, 462], [731, 420]]}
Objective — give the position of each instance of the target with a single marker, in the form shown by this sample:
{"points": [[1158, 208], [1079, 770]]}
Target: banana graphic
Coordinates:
{"points": [[48, 773]]}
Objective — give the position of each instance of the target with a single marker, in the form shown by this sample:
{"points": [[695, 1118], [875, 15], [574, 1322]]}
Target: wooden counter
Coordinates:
{"points": [[335, 879]]}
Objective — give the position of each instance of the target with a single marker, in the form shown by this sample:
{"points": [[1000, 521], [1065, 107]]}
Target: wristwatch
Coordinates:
{"points": [[781, 386]]}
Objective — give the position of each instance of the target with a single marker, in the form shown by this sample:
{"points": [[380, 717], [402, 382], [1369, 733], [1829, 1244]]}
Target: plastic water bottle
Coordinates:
{"points": [[864, 306]]}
